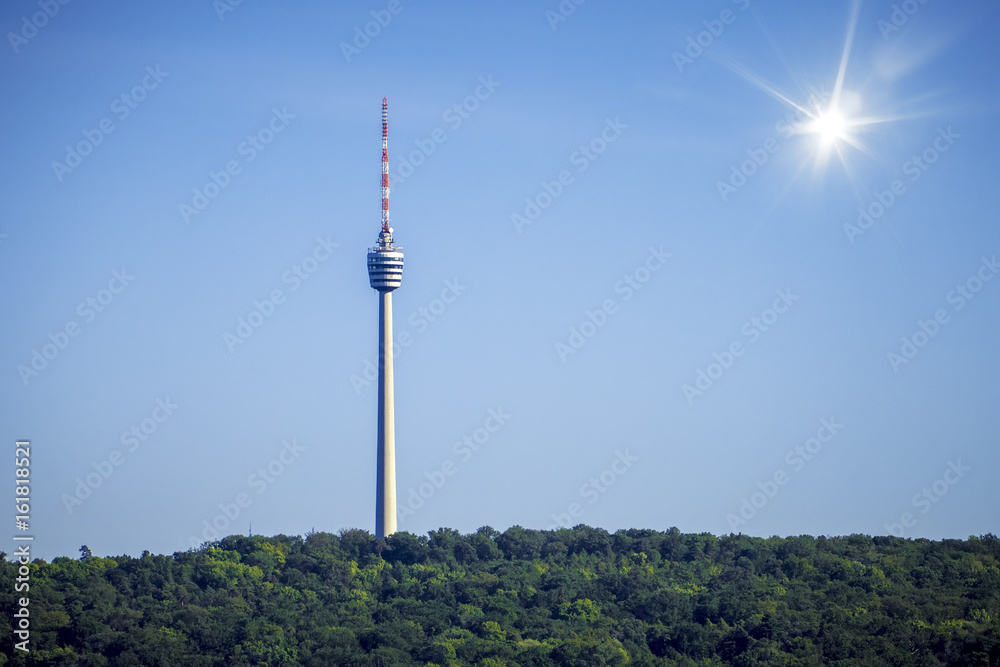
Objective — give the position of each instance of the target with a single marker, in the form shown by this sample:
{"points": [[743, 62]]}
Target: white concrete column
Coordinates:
{"points": [[385, 502]]}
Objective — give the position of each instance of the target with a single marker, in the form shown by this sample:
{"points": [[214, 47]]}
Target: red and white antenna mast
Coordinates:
{"points": [[385, 165]]}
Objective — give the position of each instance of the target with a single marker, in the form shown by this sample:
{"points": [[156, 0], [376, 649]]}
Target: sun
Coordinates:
{"points": [[831, 126], [835, 122], [834, 126]]}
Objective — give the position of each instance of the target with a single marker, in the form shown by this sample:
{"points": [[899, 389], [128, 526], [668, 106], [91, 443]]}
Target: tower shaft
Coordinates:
{"points": [[385, 503]]}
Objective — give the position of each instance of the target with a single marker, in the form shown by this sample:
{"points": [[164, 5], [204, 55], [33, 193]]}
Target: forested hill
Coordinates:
{"points": [[576, 596]]}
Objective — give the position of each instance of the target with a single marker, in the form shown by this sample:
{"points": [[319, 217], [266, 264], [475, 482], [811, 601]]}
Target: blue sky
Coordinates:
{"points": [[631, 248]]}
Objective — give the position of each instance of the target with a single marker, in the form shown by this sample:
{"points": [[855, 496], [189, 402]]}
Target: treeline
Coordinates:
{"points": [[576, 596]]}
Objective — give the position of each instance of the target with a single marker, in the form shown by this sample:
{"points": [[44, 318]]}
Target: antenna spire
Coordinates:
{"points": [[385, 165]]}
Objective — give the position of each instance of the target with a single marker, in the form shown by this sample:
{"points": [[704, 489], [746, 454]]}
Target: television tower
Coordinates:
{"points": [[385, 273]]}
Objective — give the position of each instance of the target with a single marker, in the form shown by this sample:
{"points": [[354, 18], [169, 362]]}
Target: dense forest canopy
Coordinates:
{"points": [[577, 596]]}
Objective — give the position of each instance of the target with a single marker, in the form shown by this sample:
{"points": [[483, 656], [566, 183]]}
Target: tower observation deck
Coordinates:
{"points": [[385, 263]]}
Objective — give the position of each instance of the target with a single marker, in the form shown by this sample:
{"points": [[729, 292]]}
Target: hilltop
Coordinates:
{"points": [[577, 596]]}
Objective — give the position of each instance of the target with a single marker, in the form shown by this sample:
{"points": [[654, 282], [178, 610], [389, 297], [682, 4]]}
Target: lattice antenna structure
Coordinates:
{"points": [[385, 164]]}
